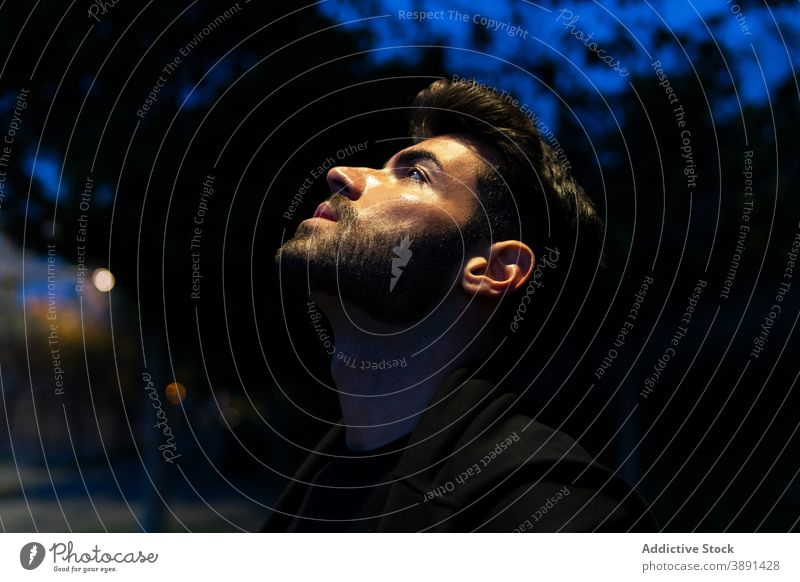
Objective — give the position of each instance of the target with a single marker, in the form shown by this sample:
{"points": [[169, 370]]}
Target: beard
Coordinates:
{"points": [[395, 277]]}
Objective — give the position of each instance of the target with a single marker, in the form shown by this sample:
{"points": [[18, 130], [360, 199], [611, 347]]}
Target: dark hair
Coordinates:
{"points": [[526, 192]]}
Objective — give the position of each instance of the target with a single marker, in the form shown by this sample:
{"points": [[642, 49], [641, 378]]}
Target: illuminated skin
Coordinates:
{"points": [[412, 192], [426, 186]]}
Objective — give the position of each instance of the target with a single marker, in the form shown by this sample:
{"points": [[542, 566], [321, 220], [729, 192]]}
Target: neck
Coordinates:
{"points": [[387, 375]]}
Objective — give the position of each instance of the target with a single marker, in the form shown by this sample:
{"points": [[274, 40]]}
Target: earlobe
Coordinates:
{"points": [[508, 267]]}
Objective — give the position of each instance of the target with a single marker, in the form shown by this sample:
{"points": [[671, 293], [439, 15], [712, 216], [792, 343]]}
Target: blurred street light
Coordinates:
{"points": [[103, 280]]}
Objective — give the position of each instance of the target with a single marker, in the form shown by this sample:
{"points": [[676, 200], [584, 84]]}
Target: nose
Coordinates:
{"points": [[346, 181]]}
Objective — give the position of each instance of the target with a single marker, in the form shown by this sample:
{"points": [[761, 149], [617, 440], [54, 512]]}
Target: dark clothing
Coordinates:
{"points": [[472, 464], [350, 490]]}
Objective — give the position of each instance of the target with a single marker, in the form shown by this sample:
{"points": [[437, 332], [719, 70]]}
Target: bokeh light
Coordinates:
{"points": [[103, 280], [175, 392]]}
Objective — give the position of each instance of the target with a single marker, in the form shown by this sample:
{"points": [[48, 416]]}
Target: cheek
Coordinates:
{"points": [[411, 213]]}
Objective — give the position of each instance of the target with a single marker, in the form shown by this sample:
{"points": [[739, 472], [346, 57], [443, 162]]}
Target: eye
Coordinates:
{"points": [[415, 174]]}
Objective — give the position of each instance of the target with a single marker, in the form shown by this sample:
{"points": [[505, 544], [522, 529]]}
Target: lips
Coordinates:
{"points": [[324, 211]]}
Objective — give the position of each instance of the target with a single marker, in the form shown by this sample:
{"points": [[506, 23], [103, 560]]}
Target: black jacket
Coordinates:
{"points": [[474, 464]]}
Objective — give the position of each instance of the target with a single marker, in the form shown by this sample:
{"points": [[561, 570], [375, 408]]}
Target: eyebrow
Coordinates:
{"points": [[407, 158]]}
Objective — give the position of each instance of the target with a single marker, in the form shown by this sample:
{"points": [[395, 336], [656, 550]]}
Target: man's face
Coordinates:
{"points": [[389, 240]]}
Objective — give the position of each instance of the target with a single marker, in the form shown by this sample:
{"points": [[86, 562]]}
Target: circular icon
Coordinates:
{"points": [[31, 555]]}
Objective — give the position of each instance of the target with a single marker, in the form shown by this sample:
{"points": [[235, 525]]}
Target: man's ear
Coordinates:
{"points": [[507, 267]]}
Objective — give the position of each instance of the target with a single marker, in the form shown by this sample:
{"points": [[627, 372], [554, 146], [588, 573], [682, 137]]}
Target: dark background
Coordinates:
{"points": [[264, 98]]}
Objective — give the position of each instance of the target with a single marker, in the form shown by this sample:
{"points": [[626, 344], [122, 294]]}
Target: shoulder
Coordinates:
{"points": [[538, 478]]}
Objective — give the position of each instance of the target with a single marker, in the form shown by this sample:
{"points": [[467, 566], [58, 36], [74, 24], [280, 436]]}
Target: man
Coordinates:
{"points": [[419, 267]]}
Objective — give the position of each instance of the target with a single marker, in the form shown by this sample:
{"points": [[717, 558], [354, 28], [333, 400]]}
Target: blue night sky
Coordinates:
{"points": [[640, 24], [667, 31]]}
